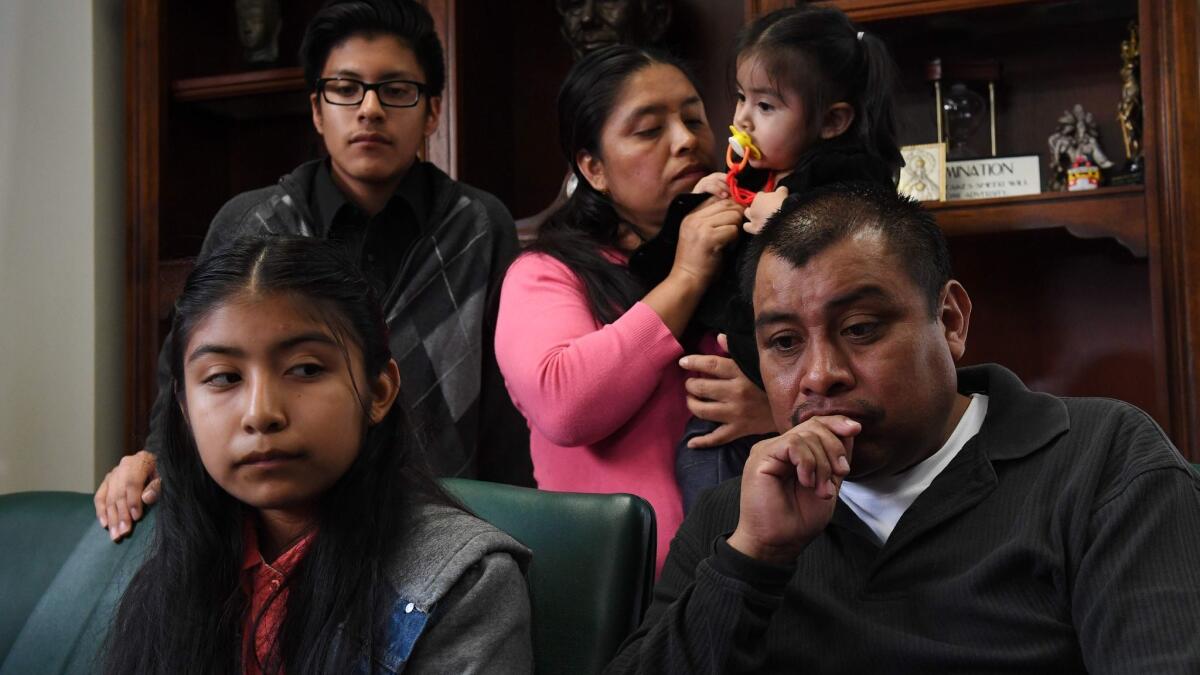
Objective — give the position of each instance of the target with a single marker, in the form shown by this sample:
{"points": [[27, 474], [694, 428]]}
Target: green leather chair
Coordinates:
{"points": [[592, 569], [61, 577]]}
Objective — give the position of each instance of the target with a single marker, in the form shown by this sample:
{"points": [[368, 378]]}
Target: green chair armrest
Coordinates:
{"points": [[592, 568]]}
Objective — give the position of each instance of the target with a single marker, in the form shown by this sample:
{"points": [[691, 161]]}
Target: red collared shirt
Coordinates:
{"points": [[265, 585]]}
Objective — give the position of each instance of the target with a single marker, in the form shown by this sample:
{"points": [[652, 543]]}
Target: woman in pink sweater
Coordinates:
{"points": [[589, 354]]}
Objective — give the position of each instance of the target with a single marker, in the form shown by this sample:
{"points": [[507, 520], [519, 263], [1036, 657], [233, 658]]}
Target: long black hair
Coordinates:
{"points": [[588, 223], [820, 54], [183, 611]]}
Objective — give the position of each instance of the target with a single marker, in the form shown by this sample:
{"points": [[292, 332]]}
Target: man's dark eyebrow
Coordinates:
{"points": [[767, 318], [282, 346], [868, 292]]}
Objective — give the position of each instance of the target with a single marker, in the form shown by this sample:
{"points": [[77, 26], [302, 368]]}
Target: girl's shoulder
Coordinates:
{"points": [[441, 544]]}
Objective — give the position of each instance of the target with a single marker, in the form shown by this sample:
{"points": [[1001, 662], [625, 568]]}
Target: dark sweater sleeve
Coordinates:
{"points": [[711, 606], [1136, 591]]}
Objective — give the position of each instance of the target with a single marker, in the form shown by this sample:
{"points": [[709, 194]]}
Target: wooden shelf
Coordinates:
{"points": [[238, 84], [250, 95], [874, 10], [1117, 212]]}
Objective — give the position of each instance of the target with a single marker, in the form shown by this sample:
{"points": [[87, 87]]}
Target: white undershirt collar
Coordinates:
{"points": [[880, 502]]}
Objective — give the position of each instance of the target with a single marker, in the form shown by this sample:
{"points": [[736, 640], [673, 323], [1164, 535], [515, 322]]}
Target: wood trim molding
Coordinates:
{"points": [[874, 10], [1171, 89], [240, 84], [441, 147], [144, 96]]}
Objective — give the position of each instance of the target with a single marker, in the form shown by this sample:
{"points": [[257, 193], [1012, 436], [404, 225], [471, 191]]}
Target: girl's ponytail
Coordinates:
{"points": [[875, 105]]}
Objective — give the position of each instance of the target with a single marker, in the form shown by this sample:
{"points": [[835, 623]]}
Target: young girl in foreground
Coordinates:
{"points": [[296, 535], [815, 99]]}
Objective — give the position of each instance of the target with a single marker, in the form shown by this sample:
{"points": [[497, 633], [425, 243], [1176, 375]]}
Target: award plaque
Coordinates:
{"points": [[993, 177]]}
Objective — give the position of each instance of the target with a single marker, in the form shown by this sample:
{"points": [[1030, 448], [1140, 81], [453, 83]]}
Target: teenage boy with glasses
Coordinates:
{"points": [[435, 249]]}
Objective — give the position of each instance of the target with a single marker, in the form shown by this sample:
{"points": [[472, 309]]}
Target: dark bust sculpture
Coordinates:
{"points": [[588, 25], [258, 30]]}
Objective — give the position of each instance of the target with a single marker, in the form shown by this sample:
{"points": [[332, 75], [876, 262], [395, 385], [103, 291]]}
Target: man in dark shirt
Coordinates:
{"points": [[435, 249], [911, 517]]}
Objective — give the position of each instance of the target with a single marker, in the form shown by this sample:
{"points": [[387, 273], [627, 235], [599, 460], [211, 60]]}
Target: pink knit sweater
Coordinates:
{"points": [[605, 404]]}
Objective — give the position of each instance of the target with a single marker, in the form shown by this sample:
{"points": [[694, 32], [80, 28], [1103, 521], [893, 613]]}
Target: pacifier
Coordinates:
{"points": [[743, 145]]}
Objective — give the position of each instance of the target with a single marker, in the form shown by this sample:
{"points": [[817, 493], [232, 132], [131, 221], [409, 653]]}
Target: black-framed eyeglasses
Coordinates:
{"points": [[391, 93]]}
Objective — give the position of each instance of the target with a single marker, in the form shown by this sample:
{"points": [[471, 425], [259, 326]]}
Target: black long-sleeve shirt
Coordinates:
{"points": [[1064, 537]]}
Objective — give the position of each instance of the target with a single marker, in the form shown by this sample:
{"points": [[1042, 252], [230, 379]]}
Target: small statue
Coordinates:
{"points": [[258, 30], [1077, 138], [589, 25], [1129, 110]]}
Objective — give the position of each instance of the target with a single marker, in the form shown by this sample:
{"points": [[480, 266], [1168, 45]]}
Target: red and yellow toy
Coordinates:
{"points": [[741, 144]]}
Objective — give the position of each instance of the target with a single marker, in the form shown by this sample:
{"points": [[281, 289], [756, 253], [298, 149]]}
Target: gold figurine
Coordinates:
{"points": [[1129, 110]]}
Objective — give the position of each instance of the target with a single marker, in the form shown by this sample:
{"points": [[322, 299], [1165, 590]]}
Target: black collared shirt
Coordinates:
{"points": [[381, 242]]}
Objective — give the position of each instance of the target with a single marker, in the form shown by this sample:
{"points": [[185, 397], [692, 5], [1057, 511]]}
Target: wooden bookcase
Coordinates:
{"points": [[1094, 293]]}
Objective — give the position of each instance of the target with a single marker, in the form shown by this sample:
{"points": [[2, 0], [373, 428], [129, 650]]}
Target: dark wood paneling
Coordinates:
{"points": [[1070, 317], [144, 96], [510, 65], [1171, 86], [703, 34], [201, 39]]}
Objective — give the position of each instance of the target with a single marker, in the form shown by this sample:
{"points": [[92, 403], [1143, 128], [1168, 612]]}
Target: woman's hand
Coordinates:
{"points": [[725, 395], [764, 206], [703, 236], [714, 184]]}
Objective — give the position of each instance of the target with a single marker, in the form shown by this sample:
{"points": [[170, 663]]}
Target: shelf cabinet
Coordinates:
{"points": [[1092, 293]]}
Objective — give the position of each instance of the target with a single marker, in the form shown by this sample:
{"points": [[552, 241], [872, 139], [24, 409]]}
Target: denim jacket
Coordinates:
{"points": [[460, 603]]}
